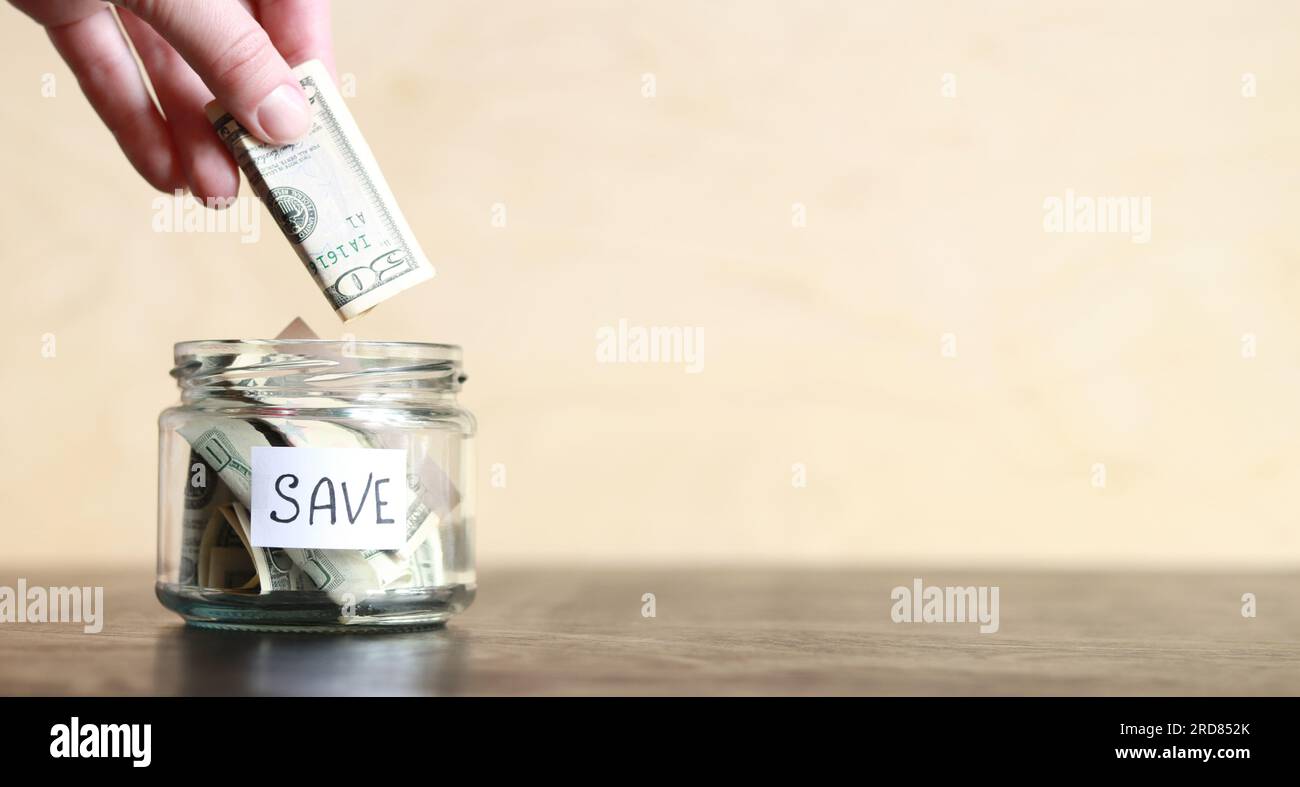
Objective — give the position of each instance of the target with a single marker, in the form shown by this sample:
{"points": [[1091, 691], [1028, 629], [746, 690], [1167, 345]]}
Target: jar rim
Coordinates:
{"points": [[222, 346], [221, 365]]}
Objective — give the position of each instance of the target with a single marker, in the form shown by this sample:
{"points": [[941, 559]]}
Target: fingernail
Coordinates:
{"points": [[283, 115]]}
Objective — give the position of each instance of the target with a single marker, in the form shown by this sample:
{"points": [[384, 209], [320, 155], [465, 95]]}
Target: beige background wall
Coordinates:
{"points": [[823, 343]]}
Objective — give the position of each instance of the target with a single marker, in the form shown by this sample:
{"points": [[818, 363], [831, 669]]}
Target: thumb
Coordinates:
{"points": [[234, 57]]}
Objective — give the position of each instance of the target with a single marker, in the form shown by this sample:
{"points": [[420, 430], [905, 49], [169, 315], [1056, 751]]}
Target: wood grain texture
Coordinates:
{"points": [[725, 631]]}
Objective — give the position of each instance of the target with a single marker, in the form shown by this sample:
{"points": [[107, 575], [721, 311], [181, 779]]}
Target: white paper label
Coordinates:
{"points": [[329, 498]]}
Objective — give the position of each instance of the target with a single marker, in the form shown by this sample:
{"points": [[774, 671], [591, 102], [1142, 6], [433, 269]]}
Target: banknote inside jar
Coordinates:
{"points": [[217, 548]]}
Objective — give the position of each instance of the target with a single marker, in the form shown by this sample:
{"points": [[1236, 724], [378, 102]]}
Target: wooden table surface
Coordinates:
{"points": [[716, 631]]}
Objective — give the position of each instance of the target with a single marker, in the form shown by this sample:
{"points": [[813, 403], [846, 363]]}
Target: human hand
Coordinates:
{"points": [[192, 51]]}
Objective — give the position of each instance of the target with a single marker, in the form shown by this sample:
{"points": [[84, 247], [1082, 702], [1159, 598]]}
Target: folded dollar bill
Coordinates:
{"points": [[331, 201]]}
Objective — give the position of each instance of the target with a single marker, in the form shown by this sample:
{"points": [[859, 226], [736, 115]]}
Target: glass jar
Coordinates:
{"points": [[316, 485]]}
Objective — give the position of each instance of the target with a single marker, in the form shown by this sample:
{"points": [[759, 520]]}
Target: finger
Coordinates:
{"points": [[207, 165], [234, 57], [300, 29], [56, 13], [87, 37]]}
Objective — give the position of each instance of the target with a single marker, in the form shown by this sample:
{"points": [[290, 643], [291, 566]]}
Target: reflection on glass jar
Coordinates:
{"points": [[316, 485]]}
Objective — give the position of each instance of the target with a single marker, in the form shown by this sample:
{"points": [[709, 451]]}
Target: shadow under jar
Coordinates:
{"points": [[316, 485]]}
